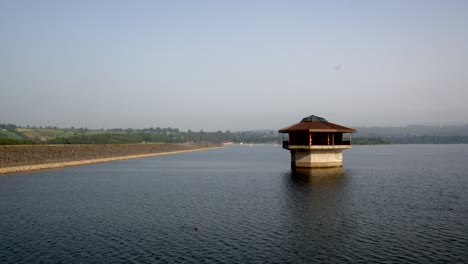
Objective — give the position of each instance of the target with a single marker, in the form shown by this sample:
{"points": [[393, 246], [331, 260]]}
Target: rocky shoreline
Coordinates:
{"points": [[37, 157]]}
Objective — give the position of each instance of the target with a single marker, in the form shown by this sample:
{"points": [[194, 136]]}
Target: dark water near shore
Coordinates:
{"points": [[398, 203]]}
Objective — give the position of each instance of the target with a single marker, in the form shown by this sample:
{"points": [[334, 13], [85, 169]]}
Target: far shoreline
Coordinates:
{"points": [[68, 163]]}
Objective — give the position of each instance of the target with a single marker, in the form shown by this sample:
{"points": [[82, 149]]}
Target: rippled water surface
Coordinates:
{"points": [[398, 203]]}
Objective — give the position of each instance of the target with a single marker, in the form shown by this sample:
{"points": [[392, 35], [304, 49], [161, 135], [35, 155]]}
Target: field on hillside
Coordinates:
{"points": [[43, 134], [10, 134], [53, 135]]}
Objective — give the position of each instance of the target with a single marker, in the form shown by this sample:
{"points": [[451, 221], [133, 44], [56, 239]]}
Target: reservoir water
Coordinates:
{"points": [[241, 204]]}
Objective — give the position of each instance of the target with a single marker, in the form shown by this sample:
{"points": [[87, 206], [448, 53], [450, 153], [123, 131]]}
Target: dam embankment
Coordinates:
{"points": [[38, 157]]}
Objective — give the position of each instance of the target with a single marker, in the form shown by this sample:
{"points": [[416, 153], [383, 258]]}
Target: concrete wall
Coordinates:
{"points": [[316, 158]]}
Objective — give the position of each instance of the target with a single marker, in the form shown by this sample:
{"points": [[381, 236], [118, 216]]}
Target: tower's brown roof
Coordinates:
{"points": [[316, 124]]}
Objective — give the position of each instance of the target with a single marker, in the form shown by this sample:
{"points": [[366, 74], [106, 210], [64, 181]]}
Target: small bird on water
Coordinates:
{"points": [[195, 228]]}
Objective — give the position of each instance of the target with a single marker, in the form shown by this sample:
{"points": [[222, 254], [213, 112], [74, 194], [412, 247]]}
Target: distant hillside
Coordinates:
{"points": [[414, 134], [12, 134], [413, 130]]}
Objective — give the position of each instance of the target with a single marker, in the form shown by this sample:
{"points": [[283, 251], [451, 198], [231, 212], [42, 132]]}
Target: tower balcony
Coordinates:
{"points": [[344, 145]]}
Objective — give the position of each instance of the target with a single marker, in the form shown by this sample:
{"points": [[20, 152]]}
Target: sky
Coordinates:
{"points": [[232, 65]]}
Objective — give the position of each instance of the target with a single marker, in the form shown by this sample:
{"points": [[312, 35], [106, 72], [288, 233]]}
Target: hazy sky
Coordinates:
{"points": [[238, 65]]}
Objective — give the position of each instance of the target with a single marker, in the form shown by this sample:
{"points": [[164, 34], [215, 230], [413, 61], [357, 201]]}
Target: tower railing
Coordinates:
{"points": [[287, 144]]}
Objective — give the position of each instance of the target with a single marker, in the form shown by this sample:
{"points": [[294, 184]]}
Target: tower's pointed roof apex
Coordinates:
{"points": [[312, 118]]}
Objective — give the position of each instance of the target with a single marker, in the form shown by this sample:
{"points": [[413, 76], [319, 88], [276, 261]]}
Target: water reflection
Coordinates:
{"points": [[310, 186], [315, 176], [316, 203]]}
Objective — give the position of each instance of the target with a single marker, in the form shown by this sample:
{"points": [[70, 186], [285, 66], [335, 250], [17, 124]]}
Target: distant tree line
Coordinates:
{"points": [[253, 137], [370, 141], [411, 140], [9, 127], [10, 135], [169, 135], [9, 141], [429, 140]]}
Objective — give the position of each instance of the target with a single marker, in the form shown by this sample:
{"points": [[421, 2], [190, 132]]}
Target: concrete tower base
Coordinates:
{"points": [[317, 156]]}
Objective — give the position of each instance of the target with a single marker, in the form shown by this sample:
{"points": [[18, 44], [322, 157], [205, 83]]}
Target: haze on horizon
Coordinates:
{"points": [[237, 65]]}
